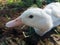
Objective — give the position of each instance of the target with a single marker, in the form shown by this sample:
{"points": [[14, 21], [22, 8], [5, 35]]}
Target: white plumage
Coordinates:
{"points": [[42, 20]]}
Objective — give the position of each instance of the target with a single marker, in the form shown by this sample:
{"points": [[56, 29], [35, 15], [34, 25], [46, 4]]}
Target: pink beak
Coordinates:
{"points": [[14, 23]]}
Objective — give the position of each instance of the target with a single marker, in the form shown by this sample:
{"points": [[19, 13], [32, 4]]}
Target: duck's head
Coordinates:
{"points": [[34, 17]]}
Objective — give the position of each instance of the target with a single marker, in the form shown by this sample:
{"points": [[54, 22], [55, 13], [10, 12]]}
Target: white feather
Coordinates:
{"points": [[53, 10]]}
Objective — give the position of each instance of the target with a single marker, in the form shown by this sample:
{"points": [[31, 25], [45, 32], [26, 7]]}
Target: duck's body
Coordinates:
{"points": [[53, 10], [42, 20]]}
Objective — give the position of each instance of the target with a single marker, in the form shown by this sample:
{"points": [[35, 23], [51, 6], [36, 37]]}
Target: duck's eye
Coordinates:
{"points": [[31, 16]]}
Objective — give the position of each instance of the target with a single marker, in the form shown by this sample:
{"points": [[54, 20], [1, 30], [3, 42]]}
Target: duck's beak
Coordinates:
{"points": [[14, 23]]}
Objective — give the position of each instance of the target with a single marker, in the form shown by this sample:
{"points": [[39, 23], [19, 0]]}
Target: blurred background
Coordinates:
{"points": [[23, 35]]}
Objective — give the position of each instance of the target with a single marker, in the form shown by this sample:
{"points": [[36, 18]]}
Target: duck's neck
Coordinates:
{"points": [[41, 32]]}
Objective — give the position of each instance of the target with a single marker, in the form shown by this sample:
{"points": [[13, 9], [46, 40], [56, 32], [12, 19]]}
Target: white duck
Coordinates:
{"points": [[42, 20]]}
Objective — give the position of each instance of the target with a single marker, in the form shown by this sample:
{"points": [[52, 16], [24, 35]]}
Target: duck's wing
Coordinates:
{"points": [[56, 12], [53, 10]]}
